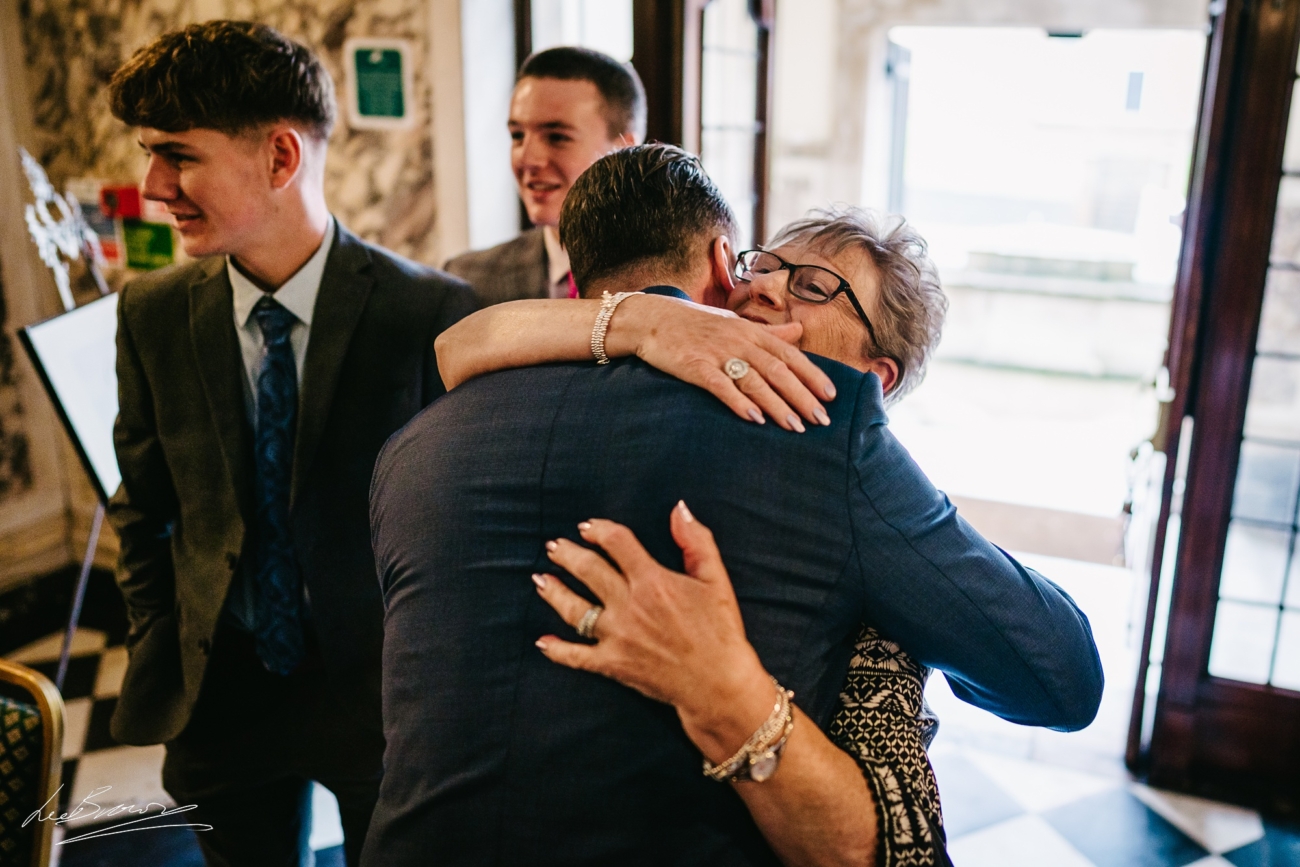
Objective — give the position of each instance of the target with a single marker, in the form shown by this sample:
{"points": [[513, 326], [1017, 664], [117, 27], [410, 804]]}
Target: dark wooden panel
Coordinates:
{"points": [[1256, 63], [657, 55]]}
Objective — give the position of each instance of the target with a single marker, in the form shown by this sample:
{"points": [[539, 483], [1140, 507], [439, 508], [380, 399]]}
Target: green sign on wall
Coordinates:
{"points": [[379, 83]]}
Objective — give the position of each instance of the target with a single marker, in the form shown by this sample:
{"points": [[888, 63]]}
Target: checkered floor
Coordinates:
{"points": [[92, 760], [1005, 812], [1004, 806]]}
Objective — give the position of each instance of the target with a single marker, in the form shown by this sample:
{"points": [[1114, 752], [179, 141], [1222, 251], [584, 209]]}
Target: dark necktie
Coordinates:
{"points": [[277, 582]]}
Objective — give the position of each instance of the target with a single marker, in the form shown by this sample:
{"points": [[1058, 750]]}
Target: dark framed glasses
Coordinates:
{"points": [[811, 283]]}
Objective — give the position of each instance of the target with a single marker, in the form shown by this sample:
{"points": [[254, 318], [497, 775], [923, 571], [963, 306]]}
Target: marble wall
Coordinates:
{"points": [[379, 183]]}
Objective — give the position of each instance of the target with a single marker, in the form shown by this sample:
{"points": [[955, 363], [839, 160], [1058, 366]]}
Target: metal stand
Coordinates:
{"points": [[79, 596]]}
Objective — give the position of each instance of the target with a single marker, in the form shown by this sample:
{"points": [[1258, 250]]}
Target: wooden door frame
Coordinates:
{"points": [[1204, 727]]}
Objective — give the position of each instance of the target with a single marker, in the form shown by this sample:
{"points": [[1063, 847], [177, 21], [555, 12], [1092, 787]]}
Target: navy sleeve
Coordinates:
{"points": [[1008, 640]]}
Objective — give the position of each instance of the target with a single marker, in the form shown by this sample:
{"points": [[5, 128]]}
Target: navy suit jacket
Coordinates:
{"points": [[497, 756]]}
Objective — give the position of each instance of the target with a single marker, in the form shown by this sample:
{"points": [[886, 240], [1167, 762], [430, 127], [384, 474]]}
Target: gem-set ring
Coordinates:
{"points": [[736, 368]]}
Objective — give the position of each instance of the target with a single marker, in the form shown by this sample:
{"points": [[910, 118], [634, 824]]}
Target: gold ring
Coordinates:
{"points": [[587, 625]]}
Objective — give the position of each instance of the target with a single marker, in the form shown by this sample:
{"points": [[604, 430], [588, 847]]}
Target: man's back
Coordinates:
{"points": [[497, 756]]}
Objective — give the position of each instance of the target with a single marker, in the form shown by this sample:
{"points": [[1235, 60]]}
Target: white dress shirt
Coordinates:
{"points": [[297, 295], [557, 263]]}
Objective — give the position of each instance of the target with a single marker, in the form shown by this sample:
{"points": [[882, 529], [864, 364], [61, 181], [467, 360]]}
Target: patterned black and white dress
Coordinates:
{"points": [[885, 725]]}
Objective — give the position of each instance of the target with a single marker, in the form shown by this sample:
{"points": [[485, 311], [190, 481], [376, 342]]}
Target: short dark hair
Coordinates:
{"points": [[645, 204], [618, 83], [230, 76]]}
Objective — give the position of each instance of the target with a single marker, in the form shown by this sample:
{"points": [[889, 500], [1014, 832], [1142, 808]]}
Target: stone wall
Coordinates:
{"points": [[379, 183]]}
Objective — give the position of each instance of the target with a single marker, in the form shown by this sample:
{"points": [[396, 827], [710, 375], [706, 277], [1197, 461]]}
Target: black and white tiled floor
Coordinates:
{"points": [[92, 760], [1007, 812], [1012, 797]]}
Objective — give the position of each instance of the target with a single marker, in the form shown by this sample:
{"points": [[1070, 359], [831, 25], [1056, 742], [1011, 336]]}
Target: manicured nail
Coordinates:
{"points": [[755, 416], [830, 390], [685, 512], [821, 416], [793, 421], [584, 526], [539, 580], [551, 546]]}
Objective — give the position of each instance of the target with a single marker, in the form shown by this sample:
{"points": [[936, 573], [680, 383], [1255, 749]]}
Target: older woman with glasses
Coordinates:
{"points": [[836, 284]]}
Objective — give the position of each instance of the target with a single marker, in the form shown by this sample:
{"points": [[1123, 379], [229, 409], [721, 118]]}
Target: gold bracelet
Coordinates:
{"points": [[758, 757], [609, 303]]}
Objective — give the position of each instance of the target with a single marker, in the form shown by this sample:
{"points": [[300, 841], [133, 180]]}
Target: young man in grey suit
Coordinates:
{"points": [[570, 107], [256, 386]]}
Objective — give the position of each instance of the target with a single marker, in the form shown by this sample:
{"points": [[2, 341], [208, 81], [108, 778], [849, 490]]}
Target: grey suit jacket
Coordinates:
{"points": [[507, 272], [184, 445]]}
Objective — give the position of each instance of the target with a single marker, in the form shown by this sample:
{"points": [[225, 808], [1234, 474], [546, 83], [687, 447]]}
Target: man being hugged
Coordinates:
{"points": [[256, 387]]}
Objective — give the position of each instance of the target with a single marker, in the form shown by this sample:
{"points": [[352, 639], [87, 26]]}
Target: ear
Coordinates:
{"points": [[287, 153], [887, 370], [722, 276]]}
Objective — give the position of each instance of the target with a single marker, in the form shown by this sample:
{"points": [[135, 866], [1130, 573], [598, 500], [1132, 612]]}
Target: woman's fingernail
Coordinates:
{"points": [[686, 513], [793, 421], [830, 390], [584, 526], [551, 546], [539, 580], [822, 416], [755, 416]]}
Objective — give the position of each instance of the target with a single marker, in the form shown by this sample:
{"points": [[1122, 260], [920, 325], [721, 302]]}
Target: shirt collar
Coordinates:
{"points": [[297, 295], [557, 259]]}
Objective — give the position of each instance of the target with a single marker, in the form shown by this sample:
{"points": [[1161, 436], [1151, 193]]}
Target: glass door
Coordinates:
{"points": [[1229, 693]]}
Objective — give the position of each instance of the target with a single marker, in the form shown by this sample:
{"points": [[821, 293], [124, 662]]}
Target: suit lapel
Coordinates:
{"points": [[216, 349], [345, 287]]}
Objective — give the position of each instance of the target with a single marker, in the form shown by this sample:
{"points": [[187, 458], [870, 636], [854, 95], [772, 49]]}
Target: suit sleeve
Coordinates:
{"points": [[1007, 639], [144, 507], [457, 303]]}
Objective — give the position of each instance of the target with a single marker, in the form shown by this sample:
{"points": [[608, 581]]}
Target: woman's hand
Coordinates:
{"points": [[677, 638], [693, 343]]}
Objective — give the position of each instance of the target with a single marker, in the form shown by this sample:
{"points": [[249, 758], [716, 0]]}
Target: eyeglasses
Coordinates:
{"points": [[811, 283]]}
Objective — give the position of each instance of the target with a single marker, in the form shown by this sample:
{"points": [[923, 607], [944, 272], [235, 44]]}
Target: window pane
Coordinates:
{"points": [[1274, 408], [604, 25], [1267, 478], [1286, 228], [1279, 324], [729, 106], [1293, 584], [1242, 648], [1254, 563], [1291, 159], [1286, 667]]}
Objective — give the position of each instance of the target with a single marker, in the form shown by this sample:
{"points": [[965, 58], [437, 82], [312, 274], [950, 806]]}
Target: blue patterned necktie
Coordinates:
{"points": [[277, 582]]}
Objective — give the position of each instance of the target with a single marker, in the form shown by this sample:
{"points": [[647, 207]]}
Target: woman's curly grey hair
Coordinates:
{"points": [[908, 318]]}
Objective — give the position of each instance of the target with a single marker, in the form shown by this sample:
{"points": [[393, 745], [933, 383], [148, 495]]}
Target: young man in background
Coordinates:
{"points": [[570, 107]]}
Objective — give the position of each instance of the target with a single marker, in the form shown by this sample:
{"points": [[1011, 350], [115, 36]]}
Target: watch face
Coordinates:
{"points": [[763, 768]]}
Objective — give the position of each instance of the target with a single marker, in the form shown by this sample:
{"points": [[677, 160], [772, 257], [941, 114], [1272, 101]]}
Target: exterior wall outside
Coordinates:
{"points": [[831, 122]]}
